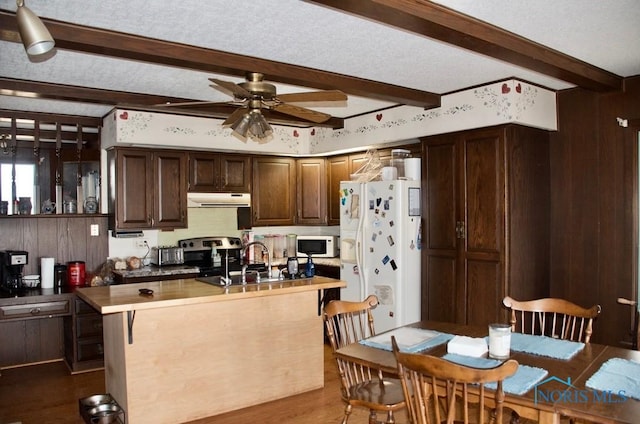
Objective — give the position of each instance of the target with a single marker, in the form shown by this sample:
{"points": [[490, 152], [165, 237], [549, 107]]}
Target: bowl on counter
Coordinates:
{"points": [[31, 281]]}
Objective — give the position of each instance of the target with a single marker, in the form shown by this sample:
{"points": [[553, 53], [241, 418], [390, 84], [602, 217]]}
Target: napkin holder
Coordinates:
{"points": [[468, 346]]}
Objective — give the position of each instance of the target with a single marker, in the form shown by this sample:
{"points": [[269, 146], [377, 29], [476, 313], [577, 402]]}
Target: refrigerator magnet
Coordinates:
{"points": [[378, 201], [390, 240], [393, 264], [386, 259], [374, 236], [377, 271], [391, 223], [386, 205]]}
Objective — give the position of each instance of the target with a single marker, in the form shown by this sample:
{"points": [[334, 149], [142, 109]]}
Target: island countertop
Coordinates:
{"points": [[127, 297]]}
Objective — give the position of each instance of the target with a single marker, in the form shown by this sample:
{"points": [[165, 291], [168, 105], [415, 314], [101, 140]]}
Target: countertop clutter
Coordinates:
{"points": [[157, 271]]}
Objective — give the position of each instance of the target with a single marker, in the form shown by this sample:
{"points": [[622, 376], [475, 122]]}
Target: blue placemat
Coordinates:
{"points": [[545, 346], [409, 339], [619, 376], [521, 382]]}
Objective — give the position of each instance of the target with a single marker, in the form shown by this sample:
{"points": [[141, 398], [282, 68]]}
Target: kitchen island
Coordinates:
{"points": [[192, 350]]}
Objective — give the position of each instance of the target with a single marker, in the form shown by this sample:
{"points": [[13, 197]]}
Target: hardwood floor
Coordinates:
{"points": [[48, 394]]}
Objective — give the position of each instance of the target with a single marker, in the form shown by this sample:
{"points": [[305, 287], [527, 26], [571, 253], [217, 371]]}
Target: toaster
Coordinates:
{"points": [[167, 255]]}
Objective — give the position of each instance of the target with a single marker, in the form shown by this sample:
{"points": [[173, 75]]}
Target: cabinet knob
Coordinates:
{"points": [[35, 311], [460, 231]]}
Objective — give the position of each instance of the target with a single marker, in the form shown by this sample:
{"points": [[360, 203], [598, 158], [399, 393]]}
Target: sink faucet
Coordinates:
{"points": [[264, 248], [244, 274]]}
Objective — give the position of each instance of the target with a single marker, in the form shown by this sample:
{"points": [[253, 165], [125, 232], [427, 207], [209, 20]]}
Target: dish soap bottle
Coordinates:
{"points": [[310, 269]]}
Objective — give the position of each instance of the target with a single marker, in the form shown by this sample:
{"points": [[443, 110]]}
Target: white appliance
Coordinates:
{"points": [[318, 246], [380, 248]]}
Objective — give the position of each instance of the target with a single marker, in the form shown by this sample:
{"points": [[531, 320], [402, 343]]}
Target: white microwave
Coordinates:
{"points": [[319, 246]]}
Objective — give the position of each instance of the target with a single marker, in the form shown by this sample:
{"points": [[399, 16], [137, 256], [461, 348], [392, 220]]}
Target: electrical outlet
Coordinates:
{"points": [[95, 230], [141, 244]]}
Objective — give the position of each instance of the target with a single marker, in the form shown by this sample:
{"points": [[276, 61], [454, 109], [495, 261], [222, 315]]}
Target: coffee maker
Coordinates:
{"points": [[12, 263]]}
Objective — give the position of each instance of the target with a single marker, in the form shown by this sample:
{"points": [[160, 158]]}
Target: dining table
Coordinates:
{"points": [[562, 391]]}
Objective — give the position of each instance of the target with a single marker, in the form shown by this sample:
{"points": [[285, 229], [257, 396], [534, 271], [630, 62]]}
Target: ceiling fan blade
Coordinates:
{"points": [[301, 112], [234, 88], [191, 105], [235, 116], [313, 96]]}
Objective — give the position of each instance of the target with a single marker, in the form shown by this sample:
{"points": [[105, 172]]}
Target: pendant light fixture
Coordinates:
{"points": [[35, 36], [252, 123]]}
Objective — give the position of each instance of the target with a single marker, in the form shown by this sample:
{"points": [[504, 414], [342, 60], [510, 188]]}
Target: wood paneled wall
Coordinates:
{"points": [[592, 252], [65, 238]]}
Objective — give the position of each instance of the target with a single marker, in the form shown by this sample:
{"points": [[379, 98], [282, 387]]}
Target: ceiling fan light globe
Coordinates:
{"points": [[35, 36], [241, 126]]}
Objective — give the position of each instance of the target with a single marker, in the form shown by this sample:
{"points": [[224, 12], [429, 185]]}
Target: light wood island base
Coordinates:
{"points": [[204, 358]]}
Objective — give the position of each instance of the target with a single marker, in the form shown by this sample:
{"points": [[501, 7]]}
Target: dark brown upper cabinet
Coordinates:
{"points": [[311, 192], [273, 199], [216, 172], [148, 189]]}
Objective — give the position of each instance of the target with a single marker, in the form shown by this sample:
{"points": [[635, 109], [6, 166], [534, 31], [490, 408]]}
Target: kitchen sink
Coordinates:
{"points": [[236, 280]]}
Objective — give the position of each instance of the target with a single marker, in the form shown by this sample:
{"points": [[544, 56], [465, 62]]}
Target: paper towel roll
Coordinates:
{"points": [[46, 272], [412, 169]]}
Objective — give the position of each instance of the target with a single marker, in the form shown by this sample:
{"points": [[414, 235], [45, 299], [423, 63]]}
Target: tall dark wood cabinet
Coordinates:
{"points": [[486, 215], [311, 191], [147, 189], [338, 169], [215, 172], [274, 191]]}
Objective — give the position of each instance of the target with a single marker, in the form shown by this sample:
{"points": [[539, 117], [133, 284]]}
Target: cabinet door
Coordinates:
{"points": [[274, 191], [170, 180], [235, 173], [440, 244], [483, 253], [465, 224], [311, 193], [134, 189], [204, 172], [337, 170], [213, 172]]}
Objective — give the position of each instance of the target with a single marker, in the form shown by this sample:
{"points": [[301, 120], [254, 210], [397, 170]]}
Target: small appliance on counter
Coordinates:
{"points": [[319, 246], [12, 264], [167, 255]]}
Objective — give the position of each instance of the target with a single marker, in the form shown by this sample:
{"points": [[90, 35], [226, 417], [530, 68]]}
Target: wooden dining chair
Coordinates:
{"points": [[439, 391], [552, 317], [346, 323]]}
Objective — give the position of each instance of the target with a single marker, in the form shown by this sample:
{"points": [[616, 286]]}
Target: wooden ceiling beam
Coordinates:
{"points": [[52, 118], [52, 91], [85, 39], [441, 23]]}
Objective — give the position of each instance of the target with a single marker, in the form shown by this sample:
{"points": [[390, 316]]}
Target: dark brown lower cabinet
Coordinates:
{"points": [[31, 329], [486, 222], [84, 349]]}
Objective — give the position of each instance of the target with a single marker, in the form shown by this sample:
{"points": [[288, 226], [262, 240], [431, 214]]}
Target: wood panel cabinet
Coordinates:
{"points": [[338, 169], [311, 191], [31, 328], [486, 203], [84, 348], [215, 172], [147, 188], [274, 191]]}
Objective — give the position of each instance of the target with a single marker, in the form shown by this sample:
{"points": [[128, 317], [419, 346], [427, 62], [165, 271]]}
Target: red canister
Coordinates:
{"points": [[76, 273]]}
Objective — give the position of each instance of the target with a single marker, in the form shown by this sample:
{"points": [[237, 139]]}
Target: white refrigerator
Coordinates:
{"points": [[380, 244]]}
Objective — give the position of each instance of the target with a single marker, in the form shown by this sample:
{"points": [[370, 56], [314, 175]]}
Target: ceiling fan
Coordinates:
{"points": [[254, 95]]}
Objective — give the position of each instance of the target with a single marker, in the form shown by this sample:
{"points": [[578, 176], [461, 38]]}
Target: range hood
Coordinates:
{"points": [[218, 200]]}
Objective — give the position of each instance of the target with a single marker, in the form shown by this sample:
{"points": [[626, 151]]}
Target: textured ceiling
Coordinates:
{"points": [[601, 33]]}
